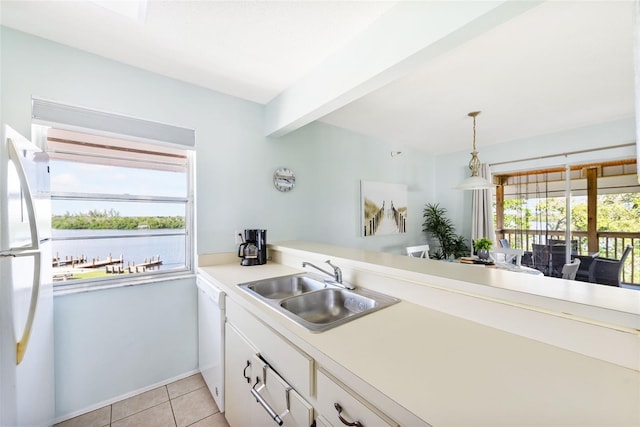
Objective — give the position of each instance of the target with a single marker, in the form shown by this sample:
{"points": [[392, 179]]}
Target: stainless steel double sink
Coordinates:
{"points": [[315, 303]]}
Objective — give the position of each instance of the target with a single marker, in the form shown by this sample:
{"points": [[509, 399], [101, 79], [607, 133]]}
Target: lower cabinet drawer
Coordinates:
{"points": [[340, 406]]}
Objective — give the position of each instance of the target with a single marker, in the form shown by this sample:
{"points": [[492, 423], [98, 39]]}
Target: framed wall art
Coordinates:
{"points": [[384, 208]]}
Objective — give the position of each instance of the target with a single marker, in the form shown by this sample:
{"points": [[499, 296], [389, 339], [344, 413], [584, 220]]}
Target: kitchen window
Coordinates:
{"points": [[121, 208]]}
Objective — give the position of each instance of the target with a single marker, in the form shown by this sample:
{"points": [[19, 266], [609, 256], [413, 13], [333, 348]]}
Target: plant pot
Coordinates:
{"points": [[483, 254]]}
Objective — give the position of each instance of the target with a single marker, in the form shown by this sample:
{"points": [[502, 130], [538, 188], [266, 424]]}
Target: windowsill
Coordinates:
{"points": [[90, 286]]}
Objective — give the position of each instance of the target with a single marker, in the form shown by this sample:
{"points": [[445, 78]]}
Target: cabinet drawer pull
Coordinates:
{"points": [[244, 373], [265, 405], [345, 422]]}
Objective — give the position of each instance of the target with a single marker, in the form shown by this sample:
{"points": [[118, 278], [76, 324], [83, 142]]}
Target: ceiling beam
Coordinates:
{"points": [[409, 34]]}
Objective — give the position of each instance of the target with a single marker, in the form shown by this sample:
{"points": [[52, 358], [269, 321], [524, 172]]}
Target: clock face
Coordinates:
{"points": [[284, 179]]}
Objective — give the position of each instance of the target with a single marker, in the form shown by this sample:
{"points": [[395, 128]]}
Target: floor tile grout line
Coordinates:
{"points": [[145, 409], [173, 413], [142, 410], [169, 399], [203, 418], [187, 392]]}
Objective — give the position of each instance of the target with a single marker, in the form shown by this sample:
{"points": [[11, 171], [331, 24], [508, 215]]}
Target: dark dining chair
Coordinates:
{"points": [[558, 259], [608, 271], [582, 274], [541, 257], [562, 242]]}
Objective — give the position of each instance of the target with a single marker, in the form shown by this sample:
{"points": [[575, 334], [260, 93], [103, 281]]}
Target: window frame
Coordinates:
{"points": [[185, 145]]}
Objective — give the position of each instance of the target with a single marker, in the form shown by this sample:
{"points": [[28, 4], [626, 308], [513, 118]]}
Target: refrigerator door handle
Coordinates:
{"points": [[24, 183], [33, 250], [21, 345]]}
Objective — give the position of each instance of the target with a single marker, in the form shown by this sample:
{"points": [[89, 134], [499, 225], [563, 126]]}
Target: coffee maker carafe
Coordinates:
{"points": [[254, 249]]}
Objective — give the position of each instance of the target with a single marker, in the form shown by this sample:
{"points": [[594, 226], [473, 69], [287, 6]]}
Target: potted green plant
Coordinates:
{"points": [[482, 246], [441, 227]]}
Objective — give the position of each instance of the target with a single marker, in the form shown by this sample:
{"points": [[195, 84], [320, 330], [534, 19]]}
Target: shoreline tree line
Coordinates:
{"points": [[111, 220]]}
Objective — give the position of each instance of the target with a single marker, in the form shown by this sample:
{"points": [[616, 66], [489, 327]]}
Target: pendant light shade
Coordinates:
{"points": [[475, 182]]}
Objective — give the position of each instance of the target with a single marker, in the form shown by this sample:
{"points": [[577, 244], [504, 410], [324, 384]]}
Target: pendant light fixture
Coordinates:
{"points": [[475, 182]]}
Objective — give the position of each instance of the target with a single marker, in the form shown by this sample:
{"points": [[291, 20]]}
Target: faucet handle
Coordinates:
{"points": [[336, 270]]}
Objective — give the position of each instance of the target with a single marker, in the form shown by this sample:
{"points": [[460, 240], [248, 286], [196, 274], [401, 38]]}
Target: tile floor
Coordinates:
{"points": [[183, 403]]}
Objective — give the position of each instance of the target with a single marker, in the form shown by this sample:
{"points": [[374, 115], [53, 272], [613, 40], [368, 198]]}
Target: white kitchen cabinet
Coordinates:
{"points": [[341, 406], [258, 344], [291, 362], [276, 401], [239, 355], [322, 422], [253, 384]]}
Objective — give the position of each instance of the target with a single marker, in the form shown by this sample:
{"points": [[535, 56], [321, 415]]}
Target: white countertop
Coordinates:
{"points": [[450, 371], [613, 305]]}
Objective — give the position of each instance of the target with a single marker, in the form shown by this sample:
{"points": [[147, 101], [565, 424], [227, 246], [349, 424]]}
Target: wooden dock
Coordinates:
{"points": [[111, 265], [59, 262], [82, 262], [150, 263], [97, 262]]}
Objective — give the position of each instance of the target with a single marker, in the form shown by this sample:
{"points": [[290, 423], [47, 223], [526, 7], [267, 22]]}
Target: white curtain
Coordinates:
{"points": [[482, 210], [636, 51]]}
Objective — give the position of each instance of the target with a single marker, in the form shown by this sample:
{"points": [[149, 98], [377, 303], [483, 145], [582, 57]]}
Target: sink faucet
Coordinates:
{"points": [[337, 274]]}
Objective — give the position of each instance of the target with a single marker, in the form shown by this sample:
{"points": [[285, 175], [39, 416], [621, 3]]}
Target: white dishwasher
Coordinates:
{"points": [[211, 337]]}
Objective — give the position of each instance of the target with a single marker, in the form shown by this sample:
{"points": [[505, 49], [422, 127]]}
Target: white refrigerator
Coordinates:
{"points": [[26, 300]]}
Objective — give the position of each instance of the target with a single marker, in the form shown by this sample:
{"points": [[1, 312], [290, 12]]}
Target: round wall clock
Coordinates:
{"points": [[284, 179]]}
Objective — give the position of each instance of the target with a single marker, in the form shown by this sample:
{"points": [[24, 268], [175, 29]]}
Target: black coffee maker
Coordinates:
{"points": [[254, 249]]}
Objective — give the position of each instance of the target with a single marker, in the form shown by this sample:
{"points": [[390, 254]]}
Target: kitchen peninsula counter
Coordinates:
{"points": [[446, 352]]}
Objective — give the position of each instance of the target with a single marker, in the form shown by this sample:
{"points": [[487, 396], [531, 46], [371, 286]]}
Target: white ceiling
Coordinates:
{"points": [[550, 66]]}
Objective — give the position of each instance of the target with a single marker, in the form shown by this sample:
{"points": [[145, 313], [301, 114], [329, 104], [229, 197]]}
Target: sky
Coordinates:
{"points": [[72, 177]]}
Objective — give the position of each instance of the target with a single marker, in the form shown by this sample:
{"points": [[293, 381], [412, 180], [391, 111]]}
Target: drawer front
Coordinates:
{"points": [[278, 399], [321, 422], [354, 408], [275, 349]]}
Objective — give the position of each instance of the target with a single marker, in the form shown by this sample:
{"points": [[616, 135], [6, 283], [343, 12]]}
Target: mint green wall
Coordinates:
{"points": [[112, 342], [329, 171], [235, 163]]}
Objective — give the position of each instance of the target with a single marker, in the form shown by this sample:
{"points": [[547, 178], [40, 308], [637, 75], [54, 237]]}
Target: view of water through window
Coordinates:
{"points": [[168, 247], [116, 210]]}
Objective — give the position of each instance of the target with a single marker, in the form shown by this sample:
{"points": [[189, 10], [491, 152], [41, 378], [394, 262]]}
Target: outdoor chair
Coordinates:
{"points": [[607, 271], [585, 264], [558, 260], [507, 255], [420, 251], [541, 258], [569, 270], [562, 242], [504, 243]]}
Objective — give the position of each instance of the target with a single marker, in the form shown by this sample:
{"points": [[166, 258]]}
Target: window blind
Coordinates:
{"points": [[55, 114], [87, 148]]}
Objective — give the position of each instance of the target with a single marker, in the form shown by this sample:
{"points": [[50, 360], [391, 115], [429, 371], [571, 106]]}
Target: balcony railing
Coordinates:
{"points": [[611, 244]]}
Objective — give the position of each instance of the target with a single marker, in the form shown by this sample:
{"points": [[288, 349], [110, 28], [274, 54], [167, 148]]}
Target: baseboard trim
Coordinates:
{"points": [[123, 396]]}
